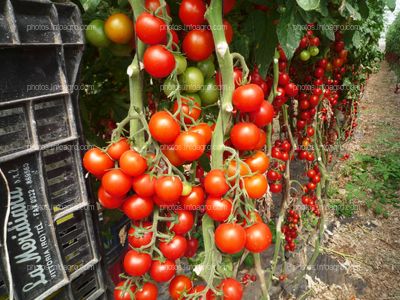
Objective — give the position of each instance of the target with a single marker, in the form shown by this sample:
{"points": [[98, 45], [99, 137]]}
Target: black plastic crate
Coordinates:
{"points": [[51, 247]]}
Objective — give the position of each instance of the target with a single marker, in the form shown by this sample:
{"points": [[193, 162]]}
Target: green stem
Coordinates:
{"points": [[261, 275]]}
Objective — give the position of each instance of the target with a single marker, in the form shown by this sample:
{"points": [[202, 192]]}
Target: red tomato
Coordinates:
{"points": [[228, 31], [198, 44], [262, 141], [204, 130], [230, 238], [179, 286], [116, 149], [189, 108], [138, 240], [218, 209], [97, 162], [152, 6], [237, 78], [258, 237], [132, 163], [144, 185], [291, 90], [228, 5], [136, 263], [149, 291], [168, 189], [170, 153], [258, 162], [189, 146], [163, 127], [162, 271], [121, 292], [116, 183], [137, 208], [158, 61], [191, 12], [175, 248], [248, 97], [194, 200], [192, 245], [184, 224], [256, 186], [245, 136], [150, 29], [231, 289], [215, 183], [231, 171], [275, 187], [263, 115], [108, 201], [284, 79]]}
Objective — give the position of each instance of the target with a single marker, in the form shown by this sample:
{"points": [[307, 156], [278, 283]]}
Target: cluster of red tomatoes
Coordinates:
{"points": [[309, 198], [290, 229], [281, 152]]}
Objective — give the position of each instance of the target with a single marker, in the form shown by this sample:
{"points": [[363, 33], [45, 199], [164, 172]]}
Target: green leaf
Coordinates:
{"points": [[90, 5], [323, 8], [308, 4], [391, 4], [328, 28], [357, 40], [265, 47], [347, 10], [290, 31]]}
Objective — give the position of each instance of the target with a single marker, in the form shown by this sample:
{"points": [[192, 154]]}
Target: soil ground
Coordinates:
{"points": [[367, 245]]}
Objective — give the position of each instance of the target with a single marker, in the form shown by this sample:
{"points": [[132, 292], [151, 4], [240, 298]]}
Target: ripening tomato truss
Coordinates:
{"points": [[197, 163]]}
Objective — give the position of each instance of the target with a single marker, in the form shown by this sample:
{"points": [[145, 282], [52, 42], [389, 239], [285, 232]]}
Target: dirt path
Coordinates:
{"points": [[367, 246]]}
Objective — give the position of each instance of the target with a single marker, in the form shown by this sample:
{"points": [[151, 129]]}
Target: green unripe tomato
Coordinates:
{"points": [[187, 188], [168, 86], [95, 34], [192, 97], [207, 66], [305, 55], [314, 51], [181, 63], [192, 80], [209, 93]]}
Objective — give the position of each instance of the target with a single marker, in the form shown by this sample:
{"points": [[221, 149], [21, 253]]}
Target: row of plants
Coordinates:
{"points": [[392, 50], [201, 110]]}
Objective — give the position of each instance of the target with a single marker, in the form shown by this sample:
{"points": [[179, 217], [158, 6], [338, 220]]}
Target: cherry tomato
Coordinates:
{"points": [[184, 224], [198, 44], [248, 97], [144, 185], [231, 170], [97, 162], [189, 108], [137, 208], [162, 271], [256, 186], [175, 248], [209, 92], [207, 66], [291, 90], [164, 128], [258, 162], [121, 293], [118, 148], [231, 289], [262, 141], [132, 163], [275, 187], [150, 29], [258, 237], [228, 5], [108, 201], [215, 183], [168, 189], [152, 6], [170, 153], [189, 145], [149, 291], [230, 238], [179, 286], [136, 263], [192, 79], [192, 245], [119, 28], [194, 200], [139, 240], [158, 61], [263, 115], [116, 182], [191, 12], [218, 208], [245, 136], [204, 130], [95, 34]]}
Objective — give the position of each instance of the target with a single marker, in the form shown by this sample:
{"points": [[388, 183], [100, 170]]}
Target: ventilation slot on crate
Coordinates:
{"points": [[36, 22], [70, 28], [72, 56], [61, 177], [29, 72], [85, 285], [74, 241], [14, 132], [51, 120]]}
